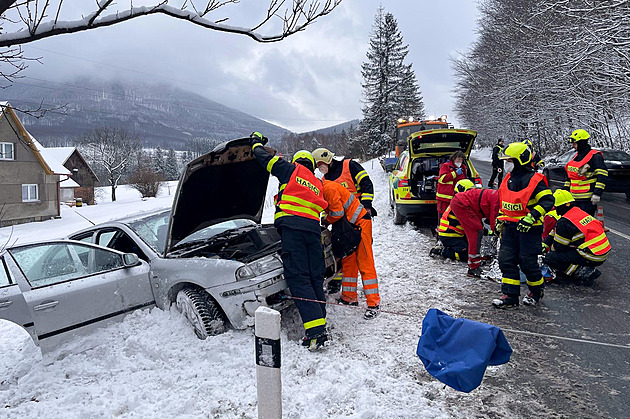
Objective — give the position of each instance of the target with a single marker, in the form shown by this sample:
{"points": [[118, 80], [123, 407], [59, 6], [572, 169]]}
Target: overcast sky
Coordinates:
{"points": [[310, 80]]}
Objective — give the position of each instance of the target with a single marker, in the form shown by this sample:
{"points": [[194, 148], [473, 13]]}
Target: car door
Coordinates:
{"points": [[12, 303], [75, 287]]}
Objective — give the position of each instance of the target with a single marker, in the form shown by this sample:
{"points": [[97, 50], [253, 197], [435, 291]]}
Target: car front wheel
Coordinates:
{"points": [[201, 311]]}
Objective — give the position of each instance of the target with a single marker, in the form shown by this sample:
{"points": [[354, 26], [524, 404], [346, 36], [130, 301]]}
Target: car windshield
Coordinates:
{"points": [[612, 155], [216, 229], [153, 230]]}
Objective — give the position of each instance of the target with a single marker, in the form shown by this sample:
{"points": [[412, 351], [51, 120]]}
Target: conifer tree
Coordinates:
{"points": [[171, 168], [390, 87]]}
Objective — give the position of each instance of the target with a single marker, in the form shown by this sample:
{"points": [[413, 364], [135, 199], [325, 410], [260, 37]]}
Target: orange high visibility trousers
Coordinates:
{"points": [[362, 260]]}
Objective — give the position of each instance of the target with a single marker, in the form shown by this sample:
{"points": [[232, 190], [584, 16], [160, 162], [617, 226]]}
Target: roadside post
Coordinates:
{"points": [[268, 373]]}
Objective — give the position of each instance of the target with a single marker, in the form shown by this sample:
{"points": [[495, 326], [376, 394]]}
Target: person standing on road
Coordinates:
{"points": [[471, 207], [451, 171], [299, 204], [352, 176], [586, 173], [578, 243], [524, 199], [497, 164], [341, 202]]}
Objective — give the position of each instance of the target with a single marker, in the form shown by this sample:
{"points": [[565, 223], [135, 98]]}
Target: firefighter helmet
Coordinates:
{"points": [[464, 185], [519, 152], [579, 135], [305, 158], [529, 144], [562, 197], [322, 155]]}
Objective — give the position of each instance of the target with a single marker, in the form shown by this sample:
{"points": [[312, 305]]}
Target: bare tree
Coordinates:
{"points": [[146, 181], [113, 149], [24, 21]]}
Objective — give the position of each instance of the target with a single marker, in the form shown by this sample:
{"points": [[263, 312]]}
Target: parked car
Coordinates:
{"points": [[617, 163], [208, 254], [413, 181]]}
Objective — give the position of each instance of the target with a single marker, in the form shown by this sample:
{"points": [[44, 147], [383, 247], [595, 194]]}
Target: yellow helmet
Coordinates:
{"points": [[305, 158], [528, 143], [518, 151], [562, 197], [579, 135], [464, 185], [322, 155]]}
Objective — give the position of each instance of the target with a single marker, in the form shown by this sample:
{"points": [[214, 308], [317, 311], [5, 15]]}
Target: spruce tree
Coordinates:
{"points": [[171, 168], [390, 88]]}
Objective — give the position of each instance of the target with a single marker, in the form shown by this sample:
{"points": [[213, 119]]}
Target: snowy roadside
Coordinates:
{"points": [[483, 154], [152, 365]]}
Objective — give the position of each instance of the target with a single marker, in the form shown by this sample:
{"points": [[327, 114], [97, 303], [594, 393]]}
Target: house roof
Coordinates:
{"points": [[62, 154], [69, 183], [51, 157]]}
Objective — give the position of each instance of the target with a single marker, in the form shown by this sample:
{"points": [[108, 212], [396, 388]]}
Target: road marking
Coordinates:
{"points": [[619, 233]]}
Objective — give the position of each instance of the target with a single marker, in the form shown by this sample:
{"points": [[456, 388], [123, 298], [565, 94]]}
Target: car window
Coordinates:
{"points": [[612, 155], [53, 263], [119, 240], [4, 274], [564, 159], [152, 230]]}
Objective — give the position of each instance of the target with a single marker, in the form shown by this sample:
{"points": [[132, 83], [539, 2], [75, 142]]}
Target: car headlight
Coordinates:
{"points": [[258, 267]]}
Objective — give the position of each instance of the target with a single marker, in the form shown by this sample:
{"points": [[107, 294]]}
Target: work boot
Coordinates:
{"points": [[334, 286], [475, 273], [436, 251], [316, 342], [371, 313], [347, 303], [532, 299], [587, 274], [506, 301]]}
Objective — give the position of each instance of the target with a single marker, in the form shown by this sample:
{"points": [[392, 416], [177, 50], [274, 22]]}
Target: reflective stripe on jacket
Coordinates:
{"points": [[447, 180], [514, 203], [346, 180], [450, 225], [595, 239], [341, 201], [301, 196], [581, 185]]}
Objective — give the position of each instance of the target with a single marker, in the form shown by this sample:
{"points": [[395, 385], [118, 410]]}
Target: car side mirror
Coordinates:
{"points": [[131, 259]]}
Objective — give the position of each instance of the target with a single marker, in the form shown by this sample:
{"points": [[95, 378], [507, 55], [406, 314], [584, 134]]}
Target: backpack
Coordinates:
{"points": [[346, 238]]}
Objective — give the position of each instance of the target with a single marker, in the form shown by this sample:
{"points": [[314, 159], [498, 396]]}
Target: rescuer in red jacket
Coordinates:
{"points": [[451, 171], [471, 207]]}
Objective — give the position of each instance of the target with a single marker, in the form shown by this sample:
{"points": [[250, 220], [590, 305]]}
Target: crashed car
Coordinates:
{"points": [[209, 255]]}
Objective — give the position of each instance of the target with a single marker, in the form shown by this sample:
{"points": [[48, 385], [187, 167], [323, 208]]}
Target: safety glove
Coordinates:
{"points": [[595, 199], [498, 227], [459, 171], [582, 170], [488, 232], [545, 248], [257, 137], [525, 223]]}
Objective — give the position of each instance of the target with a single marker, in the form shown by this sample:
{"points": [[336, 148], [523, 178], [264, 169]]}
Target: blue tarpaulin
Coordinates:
{"points": [[457, 351]]}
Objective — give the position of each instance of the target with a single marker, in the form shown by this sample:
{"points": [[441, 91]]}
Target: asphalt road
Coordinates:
{"points": [[571, 377]]}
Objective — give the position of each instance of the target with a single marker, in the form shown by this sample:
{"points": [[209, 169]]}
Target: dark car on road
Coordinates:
{"points": [[617, 163]]}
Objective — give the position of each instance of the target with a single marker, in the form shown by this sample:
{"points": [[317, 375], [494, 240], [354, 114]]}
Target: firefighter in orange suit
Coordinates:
{"points": [[353, 177], [524, 200], [578, 243], [299, 204], [341, 202]]}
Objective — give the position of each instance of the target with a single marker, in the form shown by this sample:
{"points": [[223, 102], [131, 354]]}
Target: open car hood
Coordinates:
{"points": [[224, 184], [441, 142]]}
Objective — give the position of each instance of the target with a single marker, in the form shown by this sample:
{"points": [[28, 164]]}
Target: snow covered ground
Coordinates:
{"points": [[152, 365]]}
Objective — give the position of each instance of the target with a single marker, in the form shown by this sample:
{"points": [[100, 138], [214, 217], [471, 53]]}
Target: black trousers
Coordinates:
{"points": [[520, 250], [567, 261], [495, 172], [455, 248], [304, 269], [587, 206]]}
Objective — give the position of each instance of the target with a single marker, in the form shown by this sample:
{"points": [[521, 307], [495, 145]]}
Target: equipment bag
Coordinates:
{"points": [[346, 237], [457, 351]]}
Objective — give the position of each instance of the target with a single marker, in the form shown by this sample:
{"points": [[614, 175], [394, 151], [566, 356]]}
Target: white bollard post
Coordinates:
{"points": [[268, 373]]}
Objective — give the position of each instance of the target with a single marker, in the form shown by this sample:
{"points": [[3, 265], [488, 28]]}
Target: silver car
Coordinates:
{"points": [[208, 254]]}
